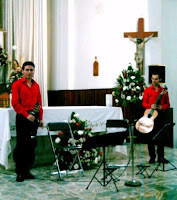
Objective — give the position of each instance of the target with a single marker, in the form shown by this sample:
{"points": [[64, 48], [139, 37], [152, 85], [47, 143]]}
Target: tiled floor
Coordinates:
{"points": [[162, 184]]}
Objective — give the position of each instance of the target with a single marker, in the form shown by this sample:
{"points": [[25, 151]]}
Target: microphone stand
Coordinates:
{"points": [[133, 182]]}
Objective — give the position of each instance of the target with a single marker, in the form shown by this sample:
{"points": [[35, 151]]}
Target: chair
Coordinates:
{"points": [[109, 139], [57, 130]]}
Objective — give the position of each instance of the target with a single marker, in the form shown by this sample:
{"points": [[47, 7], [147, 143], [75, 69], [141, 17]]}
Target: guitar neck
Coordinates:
{"points": [[152, 110], [159, 97], [150, 114]]}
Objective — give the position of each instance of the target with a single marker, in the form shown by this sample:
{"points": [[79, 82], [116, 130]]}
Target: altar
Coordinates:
{"points": [[95, 115]]}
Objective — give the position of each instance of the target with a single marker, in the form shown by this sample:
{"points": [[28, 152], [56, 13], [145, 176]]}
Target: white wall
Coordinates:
{"points": [[169, 52], [89, 28]]}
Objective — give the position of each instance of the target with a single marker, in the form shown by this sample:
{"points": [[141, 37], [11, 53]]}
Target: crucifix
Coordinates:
{"points": [[138, 39]]}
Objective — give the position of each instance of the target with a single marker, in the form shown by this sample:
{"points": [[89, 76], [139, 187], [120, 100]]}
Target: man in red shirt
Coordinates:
{"points": [[25, 95], [150, 96]]}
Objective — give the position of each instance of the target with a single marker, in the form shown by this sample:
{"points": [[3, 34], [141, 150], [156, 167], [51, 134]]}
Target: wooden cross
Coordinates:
{"points": [[140, 34]]}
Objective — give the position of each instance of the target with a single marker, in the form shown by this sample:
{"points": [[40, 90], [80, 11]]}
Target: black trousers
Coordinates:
{"points": [[24, 152], [159, 122]]}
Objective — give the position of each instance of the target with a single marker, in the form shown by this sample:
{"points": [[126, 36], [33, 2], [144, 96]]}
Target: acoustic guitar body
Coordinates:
{"points": [[145, 124]]}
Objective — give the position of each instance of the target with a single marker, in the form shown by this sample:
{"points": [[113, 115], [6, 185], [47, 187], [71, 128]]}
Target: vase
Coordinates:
{"points": [[10, 99], [133, 112]]}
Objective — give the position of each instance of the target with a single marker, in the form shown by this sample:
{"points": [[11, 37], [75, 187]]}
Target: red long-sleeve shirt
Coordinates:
{"points": [[24, 97], [150, 96]]}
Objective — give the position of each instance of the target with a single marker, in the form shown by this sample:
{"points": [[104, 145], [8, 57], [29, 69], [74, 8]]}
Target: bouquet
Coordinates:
{"points": [[15, 74], [129, 87], [81, 132]]}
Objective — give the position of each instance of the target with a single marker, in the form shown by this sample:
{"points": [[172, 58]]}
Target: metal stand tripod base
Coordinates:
{"points": [[133, 183]]}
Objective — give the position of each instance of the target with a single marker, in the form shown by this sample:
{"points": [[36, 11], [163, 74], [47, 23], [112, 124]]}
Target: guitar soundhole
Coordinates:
{"points": [[149, 115]]}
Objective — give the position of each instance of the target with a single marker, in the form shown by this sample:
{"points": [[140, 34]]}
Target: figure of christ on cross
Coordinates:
{"points": [[138, 39]]}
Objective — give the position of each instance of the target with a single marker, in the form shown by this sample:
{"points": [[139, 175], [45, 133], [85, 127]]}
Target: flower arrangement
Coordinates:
{"points": [[81, 132], [3, 57], [130, 87], [15, 75]]}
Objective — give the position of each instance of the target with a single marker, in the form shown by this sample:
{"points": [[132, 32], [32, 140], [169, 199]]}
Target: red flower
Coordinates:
{"points": [[78, 124], [124, 74], [60, 133], [100, 153]]}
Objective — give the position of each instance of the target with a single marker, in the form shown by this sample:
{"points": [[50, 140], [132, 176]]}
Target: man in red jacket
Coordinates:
{"points": [[150, 97], [25, 96]]}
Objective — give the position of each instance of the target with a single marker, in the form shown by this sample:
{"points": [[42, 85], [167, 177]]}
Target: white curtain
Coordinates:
{"points": [[40, 46], [27, 31]]}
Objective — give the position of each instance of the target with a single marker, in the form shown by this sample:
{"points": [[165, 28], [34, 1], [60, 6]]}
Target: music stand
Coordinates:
{"points": [[103, 141], [157, 136]]}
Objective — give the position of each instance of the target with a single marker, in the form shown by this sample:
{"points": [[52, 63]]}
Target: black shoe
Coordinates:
{"points": [[163, 160], [29, 176], [152, 160], [20, 178]]}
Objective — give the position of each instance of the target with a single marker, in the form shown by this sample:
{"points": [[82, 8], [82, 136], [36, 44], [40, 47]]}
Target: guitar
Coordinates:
{"points": [[35, 109], [146, 123]]}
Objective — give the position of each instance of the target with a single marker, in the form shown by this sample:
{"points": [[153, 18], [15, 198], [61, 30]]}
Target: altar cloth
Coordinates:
{"points": [[95, 115]]}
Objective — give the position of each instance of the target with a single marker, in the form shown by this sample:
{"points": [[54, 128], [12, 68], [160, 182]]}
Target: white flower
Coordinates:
{"points": [[87, 154], [72, 152], [138, 87], [71, 140], [116, 100], [128, 98], [96, 160], [113, 93], [125, 88], [76, 115], [122, 96], [140, 97], [72, 121], [76, 166], [90, 135], [57, 140], [131, 85], [99, 158], [80, 132], [132, 77], [81, 140]]}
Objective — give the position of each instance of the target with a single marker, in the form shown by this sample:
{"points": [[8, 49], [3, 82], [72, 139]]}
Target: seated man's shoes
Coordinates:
{"points": [[163, 160], [29, 176], [20, 178], [152, 160]]}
